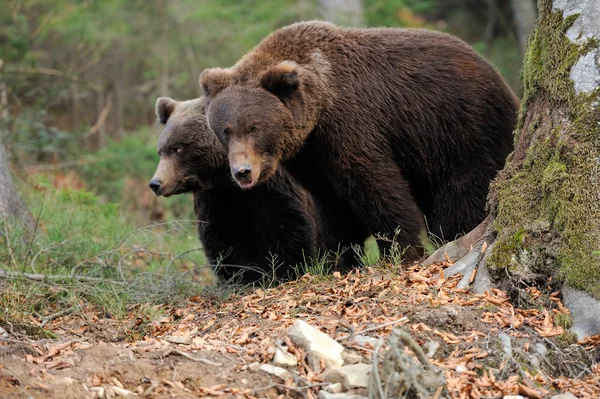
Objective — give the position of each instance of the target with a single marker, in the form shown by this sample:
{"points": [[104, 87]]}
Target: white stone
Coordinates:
{"points": [[362, 340], [282, 358], [3, 333], [68, 381], [513, 397], [276, 371], [585, 311], [318, 345], [327, 395], [506, 344], [254, 366], [566, 395], [541, 349], [351, 357], [179, 339], [122, 392], [353, 376], [334, 388]]}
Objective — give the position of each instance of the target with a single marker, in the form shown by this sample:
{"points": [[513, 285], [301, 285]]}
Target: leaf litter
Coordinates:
{"points": [[212, 347]]}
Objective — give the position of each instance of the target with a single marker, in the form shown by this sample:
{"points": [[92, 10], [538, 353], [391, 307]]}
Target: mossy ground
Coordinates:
{"points": [[547, 199]]}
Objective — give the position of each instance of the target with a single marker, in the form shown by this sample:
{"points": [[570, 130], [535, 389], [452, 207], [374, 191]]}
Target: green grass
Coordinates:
{"points": [[93, 255]]}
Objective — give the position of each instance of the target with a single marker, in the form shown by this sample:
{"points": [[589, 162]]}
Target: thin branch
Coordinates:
{"points": [[55, 72], [192, 358], [46, 277], [379, 327], [64, 312], [102, 117]]}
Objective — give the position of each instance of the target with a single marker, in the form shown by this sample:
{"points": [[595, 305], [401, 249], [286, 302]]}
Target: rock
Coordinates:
{"points": [[566, 395], [276, 371], [98, 391], [327, 395], [284, 358], [351, 357], [541, 349], [179, 339], [334, 388], [506, 344], [3, 333], [353, 376], [431, 348], [122, 392], [513, 397], [362, 340], [68, 381], [318, 345], [254, 366]]}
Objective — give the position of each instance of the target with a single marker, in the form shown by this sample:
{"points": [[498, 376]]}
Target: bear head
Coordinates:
{"points": [[262, 114], [191, 157]]}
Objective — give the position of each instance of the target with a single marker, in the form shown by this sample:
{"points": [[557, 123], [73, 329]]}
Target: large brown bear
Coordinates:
{"points": [[387, 128], [256, 230]]}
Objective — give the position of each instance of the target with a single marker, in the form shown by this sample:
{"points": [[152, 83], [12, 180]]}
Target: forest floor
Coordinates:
{"points": [[211, 347]]}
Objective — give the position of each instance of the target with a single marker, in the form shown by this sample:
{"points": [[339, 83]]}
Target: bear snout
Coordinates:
{"points": [[155, 185]]}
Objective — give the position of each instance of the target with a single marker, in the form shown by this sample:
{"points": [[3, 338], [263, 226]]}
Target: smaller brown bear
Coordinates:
{"points": [[272, 225]]}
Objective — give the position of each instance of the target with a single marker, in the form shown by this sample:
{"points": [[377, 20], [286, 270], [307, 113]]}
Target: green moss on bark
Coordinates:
{"points": [[547, 200]]}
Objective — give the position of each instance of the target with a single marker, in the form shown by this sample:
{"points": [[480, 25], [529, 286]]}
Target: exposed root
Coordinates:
{"points": [[460, 247], [470, 253]]}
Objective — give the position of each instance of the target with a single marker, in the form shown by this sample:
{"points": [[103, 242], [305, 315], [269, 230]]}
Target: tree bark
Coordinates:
{"points": [[543, 225], [12, 207], [343, 12], [524, 13]]}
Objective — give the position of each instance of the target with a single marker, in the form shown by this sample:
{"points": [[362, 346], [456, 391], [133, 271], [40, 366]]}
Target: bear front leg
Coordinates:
{"points": [[382, 201], [228, 259]]}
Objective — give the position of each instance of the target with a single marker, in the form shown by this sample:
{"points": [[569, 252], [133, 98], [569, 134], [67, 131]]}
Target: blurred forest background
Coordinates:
{"points": [[79, 78]]}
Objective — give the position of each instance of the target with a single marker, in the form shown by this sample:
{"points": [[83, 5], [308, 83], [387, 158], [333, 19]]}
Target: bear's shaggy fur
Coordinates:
{"points": [[255, 230], [387, 128]]}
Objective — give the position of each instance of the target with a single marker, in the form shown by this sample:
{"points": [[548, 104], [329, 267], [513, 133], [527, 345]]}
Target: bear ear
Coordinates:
{"points": [[282, 80], [213, 81], [164, 108]]}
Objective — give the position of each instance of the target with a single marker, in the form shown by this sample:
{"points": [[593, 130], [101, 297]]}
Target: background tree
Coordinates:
{"points": [[11, 205], [543, 228]]}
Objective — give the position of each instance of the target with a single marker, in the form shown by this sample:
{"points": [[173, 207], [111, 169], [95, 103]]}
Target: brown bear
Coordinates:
{"points": [[254, 230], [387, 128]]}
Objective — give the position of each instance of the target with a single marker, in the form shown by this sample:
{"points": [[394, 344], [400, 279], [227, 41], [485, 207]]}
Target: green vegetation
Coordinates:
{"points": [[548, 198], [92, 255], [81, 80]]}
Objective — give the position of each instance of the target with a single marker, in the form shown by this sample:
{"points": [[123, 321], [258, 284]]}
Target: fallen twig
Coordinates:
{"points": [[64, 312], [46, 277], [192, 358], [379, 327]]}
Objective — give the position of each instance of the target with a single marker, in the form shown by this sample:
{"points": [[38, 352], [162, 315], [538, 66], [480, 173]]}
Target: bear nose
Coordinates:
{"points": [[155, 185], [242, 172]]}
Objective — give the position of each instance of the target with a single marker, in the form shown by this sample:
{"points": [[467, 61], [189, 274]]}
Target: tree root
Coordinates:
{"points": [[470, 253]]}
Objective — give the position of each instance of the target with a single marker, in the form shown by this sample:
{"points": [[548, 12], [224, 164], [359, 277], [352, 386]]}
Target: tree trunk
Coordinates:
{"points": [[543, 227], [343, 12], [524, 16], [11, 205]]}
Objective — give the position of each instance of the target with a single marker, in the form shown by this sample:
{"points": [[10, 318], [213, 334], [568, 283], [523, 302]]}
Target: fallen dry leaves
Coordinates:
{"points": [[367, 302]]}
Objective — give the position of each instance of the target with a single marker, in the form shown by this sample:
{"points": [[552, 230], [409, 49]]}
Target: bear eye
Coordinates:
{"points": [[177, 150], [253, 129], [226, 132]]}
